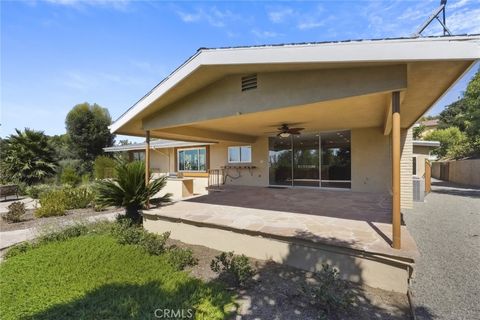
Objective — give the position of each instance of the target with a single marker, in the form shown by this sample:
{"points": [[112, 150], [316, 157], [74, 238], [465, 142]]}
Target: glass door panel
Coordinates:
{"points": [[306, 160], [280, 159], [336, 159]]}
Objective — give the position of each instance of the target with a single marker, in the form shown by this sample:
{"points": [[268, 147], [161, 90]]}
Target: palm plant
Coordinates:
{"points": [[27, 156], [128, 189]]}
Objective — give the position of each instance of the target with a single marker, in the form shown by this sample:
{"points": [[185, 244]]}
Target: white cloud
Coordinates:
{"points": [[214, 16], [81, 4], [464, 21], [265, 34], [304, 25], [458, 5], [279, 15]]}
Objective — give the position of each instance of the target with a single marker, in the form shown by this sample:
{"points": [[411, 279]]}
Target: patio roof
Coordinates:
{"points": [[154, 144], [210, 65]]}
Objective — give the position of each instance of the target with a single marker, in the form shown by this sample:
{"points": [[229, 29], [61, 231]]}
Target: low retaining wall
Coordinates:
{"points": [[384, 272], [465, 172]]}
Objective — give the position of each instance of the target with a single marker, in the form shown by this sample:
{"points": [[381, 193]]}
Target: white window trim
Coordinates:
{"points": [[198, 151], [240, 153]]}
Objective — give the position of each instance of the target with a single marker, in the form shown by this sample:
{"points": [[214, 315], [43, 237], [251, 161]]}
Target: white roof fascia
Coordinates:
{"points": [[155, 145], [422, 143], [398, 50]]}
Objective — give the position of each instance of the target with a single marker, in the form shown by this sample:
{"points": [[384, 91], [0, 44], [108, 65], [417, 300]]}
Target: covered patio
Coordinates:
{"points": [[353, 220]]}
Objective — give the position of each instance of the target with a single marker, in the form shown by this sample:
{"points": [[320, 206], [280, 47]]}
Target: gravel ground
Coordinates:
{"points": [[447, 231]]}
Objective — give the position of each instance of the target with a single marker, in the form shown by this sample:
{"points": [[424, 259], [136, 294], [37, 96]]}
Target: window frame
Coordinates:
{"points": [[198, 155], [239, 153]]}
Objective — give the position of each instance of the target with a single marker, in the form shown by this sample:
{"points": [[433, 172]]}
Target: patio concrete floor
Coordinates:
{"points": [[354, 220]]}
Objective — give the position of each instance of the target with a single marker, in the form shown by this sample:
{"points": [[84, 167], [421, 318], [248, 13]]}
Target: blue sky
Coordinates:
{"points": [[57, 53]]}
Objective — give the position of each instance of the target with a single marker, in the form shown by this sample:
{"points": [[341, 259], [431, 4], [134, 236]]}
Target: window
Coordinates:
{"points": [[242, 154], [138, 156], [414, 165], [192, 159]]}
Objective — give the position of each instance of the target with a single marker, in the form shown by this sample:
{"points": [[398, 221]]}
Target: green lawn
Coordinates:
{"points": [[94, 277]]}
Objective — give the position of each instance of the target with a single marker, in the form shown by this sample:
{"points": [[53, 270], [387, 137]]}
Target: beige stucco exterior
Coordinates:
{"points": [[370, 164]]}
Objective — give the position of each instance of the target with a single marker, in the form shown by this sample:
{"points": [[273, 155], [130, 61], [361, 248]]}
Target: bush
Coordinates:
{"points": [[127, 232], [70, 177], [20, 248], [332, 293], [15, 212], [56, 202], [35, 191], [236, 268], [52, 203], [104, 167], [180, 258], [78, 198], [69, 232]]}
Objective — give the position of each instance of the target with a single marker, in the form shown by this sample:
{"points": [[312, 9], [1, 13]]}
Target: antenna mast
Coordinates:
{"points": [[435, 15]]}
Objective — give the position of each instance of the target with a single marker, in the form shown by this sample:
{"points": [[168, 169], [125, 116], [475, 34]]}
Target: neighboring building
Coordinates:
{"points": [[422, 151], [429, 125], [311, 117]]}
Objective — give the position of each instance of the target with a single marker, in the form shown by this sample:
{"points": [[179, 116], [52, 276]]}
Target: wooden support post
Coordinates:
{"points": [[147, 157], [396, 215]]}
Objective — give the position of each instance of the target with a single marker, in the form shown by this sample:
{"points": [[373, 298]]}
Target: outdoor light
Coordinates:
{"points": [[284, 134]]}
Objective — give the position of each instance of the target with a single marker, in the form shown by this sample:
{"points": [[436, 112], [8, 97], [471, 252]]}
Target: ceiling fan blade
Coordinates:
{"points": [[296, 129]]}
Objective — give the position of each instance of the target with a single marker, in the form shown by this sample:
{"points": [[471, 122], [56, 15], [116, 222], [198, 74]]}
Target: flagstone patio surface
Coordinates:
{"points": [[342, 218]]}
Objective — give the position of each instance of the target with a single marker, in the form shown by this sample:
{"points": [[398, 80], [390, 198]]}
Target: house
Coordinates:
{"points": [[422, 152], [313, 145], [428, 125]]}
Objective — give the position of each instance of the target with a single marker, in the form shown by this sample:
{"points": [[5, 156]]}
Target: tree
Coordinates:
{"points": [[453, 142], [128, 189], [87, 127], [27, 157], [417, 131], [465, 115]]}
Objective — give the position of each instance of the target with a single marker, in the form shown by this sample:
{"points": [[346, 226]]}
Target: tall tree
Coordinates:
{"points": [[465, 115], [87, 127], [27, 157]]}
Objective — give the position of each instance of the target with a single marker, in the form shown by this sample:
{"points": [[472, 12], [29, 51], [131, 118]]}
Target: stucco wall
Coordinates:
{"points": [[371, 164], [465, 172], [421, 154], [257, 176]]}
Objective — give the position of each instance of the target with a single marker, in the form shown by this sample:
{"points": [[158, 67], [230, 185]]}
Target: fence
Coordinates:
{"points": [[465, 172]]}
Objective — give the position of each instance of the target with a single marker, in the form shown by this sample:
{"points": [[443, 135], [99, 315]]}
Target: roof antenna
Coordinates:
{"points": [[435, 15]]}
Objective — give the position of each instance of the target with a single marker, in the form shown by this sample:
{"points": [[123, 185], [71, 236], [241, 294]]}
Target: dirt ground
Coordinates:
{"points": [[277, 292], [30, 221]]}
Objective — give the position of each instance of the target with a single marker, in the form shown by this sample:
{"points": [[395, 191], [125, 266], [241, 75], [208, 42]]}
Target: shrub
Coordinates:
{"points": [[104, 167], [70, 177], [15, 212], [332, 293], [127, 232], [78, 198], [52, 203], [230, 266], [181, 258], [69, 232], [19, 248], [35, 191], [129, 189], [56, 202]]}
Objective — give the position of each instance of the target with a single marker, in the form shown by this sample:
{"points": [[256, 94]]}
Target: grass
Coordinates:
{"points": [[94, 277]]}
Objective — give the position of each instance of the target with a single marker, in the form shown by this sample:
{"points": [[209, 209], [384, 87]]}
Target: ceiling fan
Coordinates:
{"points": [[285, 131]]}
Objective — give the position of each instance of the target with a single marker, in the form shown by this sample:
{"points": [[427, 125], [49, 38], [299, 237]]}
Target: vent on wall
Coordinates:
{"points": [[249, 82]]}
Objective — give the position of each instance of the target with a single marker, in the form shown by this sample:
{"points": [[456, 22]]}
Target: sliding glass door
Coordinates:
{"points": [[280, 157], [306, 160], [311, 160], [336, 159]]}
